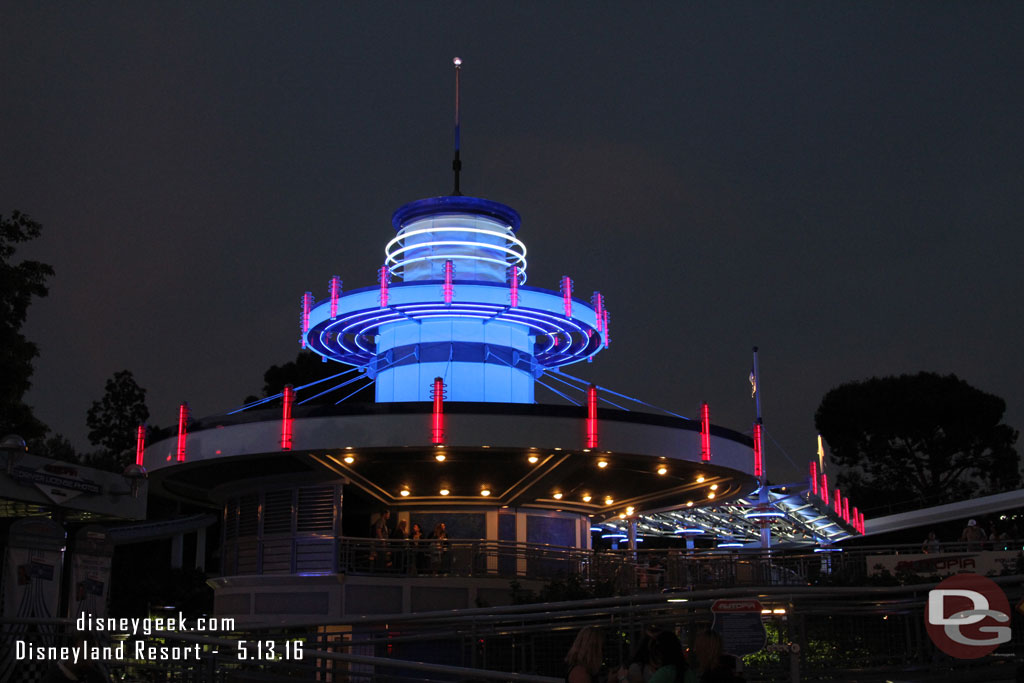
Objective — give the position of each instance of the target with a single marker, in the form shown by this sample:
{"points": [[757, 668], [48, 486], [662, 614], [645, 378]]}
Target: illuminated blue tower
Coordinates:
{"points": [[459, 313], [458, 310]]}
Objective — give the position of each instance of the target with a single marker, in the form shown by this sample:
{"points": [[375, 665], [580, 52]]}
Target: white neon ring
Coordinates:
{"points": [[456, 243], [508, 234], [395, 263]]}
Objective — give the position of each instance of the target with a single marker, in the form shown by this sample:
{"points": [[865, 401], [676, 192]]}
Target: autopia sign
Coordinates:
{"points": [[967, 616]]}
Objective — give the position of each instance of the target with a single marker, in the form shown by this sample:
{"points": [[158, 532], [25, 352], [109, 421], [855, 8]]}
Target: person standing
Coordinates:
{"points": [[667, 658], [400, 545], [973, 535], [380, 532], [585, 656]]}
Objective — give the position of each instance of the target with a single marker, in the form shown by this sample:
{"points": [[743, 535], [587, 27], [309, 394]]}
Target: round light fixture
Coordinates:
{"points": [[714, 487], [485, 492], [602, 463], [586, 497], [439, 457], [558, 495], [444, 492], [532, 459], [700, 478], [662, 470], [349, 459]]}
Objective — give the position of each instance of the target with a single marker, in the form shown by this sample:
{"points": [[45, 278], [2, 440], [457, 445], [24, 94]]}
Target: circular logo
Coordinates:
{"points": [[967, 616]]}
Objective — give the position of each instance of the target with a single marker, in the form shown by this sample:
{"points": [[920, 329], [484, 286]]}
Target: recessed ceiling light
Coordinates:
{"points": [[439, 457], [714, 487], [711, 496], [485, 492], [404, 492], [602, 463], [533, 459], [444, 492], [700, 478], [586, 497], [662, 470], [349, 459], [629, 510], [609, 500], [558, 495], [689, 503]]}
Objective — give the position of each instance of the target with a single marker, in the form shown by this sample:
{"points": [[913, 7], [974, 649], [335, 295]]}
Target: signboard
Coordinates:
{"points": [[36, 480], [90, 572], [739, 623], [31, 585], [58, 481], [984, 562]]}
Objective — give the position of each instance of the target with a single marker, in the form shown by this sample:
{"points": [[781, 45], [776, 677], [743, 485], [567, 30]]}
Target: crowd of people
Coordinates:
{"points": [[415, 551], [658, 657], [976, 538]]}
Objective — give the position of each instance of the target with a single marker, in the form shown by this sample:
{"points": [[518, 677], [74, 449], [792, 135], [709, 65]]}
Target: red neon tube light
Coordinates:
{"points": [[449, 275], [140, 444], [514, 286], [335, 288], [837, 502], [286, 418], [855, 518], [598, 302], [307, 306], [705, 433], [814, 477], [567, 295], [862, 529], [182, 430], [758, 463], [591, 439], [437, 421], [824, 488], [846, 509], [385, 277]]}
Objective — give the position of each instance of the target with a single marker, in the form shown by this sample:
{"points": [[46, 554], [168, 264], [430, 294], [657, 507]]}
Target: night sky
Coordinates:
{"points": [[840, 184]]}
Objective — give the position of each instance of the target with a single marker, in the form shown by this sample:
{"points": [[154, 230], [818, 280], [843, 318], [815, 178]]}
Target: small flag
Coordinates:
{"points": [[753, 383]]}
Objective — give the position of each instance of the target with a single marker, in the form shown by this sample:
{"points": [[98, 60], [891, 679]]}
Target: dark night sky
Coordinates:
{"points": [[840, 184]]}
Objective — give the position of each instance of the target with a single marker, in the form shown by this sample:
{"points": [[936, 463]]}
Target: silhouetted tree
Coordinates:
{"points": [[19, 283], [307, 368], [923, 437], [114, 419]]}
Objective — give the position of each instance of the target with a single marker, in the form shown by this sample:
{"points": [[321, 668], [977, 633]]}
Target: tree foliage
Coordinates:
{"points": [[19, 284], [114, 419], [308, 368], [930, 438]]}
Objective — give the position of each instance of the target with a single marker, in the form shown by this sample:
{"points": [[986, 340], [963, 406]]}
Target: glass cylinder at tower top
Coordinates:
{"points": [[451, 302], [480, 358]]}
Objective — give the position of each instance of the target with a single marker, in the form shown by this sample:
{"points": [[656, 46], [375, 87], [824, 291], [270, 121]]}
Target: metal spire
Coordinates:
{"points": [[456, 162]]}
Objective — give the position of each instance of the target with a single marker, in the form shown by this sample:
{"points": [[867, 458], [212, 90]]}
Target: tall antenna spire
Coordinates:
{"points": [[457, 163]]}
